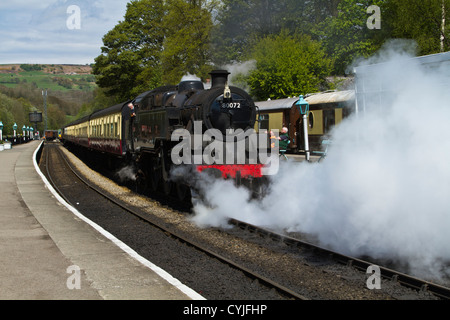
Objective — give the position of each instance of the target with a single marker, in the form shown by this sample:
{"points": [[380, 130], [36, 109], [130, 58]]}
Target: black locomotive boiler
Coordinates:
{"points": [[140, 132]]}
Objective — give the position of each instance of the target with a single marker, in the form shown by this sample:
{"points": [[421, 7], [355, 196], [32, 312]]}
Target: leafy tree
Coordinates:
{"points": [[100, 101], [240, 23], [187, 27], [229, 36], [346, 35], [304, 16], [30, 67], [56, 117], [288, 65], [157, 43], [425, 21], [130, 48], [13, 111]]}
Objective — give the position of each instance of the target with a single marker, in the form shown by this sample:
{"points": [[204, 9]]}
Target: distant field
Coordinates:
{"points": [[52, 77]]}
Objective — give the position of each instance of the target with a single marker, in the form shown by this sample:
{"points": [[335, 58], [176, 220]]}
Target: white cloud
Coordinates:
{"points": [[37, 31]]}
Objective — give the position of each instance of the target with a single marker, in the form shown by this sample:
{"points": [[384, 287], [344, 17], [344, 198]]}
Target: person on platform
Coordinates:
{"points": [[284, 142]]}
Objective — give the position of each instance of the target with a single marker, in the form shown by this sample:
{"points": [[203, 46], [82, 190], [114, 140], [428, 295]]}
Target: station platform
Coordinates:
{"points": [[49, 251]]}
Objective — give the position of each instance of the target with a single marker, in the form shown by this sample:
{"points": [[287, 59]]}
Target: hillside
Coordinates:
{"points": [[51, 69], [69, 88], [52, 77]]}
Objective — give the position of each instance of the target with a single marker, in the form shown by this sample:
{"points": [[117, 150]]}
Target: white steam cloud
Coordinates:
{"points": [[239, 71], [127, 173], [242, 68], [190, 77], [383, 190]]}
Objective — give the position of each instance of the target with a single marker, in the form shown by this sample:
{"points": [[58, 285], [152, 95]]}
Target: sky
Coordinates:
{"points": [[56, 31]]}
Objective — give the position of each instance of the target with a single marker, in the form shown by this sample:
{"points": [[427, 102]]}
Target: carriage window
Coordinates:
{"points": [[311, 120], [264, 121]]}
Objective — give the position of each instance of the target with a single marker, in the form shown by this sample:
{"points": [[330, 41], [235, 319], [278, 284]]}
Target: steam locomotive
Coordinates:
{"points": [[141, 132]]}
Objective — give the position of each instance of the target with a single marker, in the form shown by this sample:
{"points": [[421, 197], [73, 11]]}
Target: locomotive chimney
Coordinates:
{"points": [[219, 78]]}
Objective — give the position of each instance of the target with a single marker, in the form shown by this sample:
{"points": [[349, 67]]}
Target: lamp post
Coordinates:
{"points": [[303, 107], [1, 131], [44, 94]]}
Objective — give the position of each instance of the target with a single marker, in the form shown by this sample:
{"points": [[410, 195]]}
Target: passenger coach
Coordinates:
{"points": [[326, 109], [102, 131]]}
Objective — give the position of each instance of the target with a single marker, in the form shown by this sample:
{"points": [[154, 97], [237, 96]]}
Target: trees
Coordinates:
{"points": [[288, 66], [160, 41], [187, 26], [240, 23], [346, 36], [425, 21], [132, 48], [30, 67], [172, 36]]}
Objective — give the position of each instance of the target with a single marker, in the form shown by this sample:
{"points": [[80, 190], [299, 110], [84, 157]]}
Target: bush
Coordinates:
{"points": [[288, 66], [30, 67]]}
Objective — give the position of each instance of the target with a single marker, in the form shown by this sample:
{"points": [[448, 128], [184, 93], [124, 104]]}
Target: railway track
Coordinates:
{"points": [[286, 292], [394, 276], [387, 273]]}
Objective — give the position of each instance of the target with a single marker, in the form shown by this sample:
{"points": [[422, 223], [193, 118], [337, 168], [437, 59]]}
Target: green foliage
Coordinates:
{"points": [[131, 48], [30, 67], [172, 36], [40, 79], [294, 45], [346, 35], [420, 20], [13, 111], [186, 46], [158, 42], [288, 66], [240, 23], [100, 101], [17, 102]]}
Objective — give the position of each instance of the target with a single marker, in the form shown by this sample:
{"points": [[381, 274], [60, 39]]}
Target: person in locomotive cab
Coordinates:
{"points": [[132, 111]]}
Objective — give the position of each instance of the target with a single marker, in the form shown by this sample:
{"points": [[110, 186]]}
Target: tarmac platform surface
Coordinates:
{"points": [[49, 251]]}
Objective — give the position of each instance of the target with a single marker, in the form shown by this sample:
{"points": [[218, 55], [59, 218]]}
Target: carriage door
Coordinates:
{"points": [[295, 129]]}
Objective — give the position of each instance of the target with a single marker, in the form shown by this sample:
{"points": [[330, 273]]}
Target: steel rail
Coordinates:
{"points": [[50, 177], [387, 273]]}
